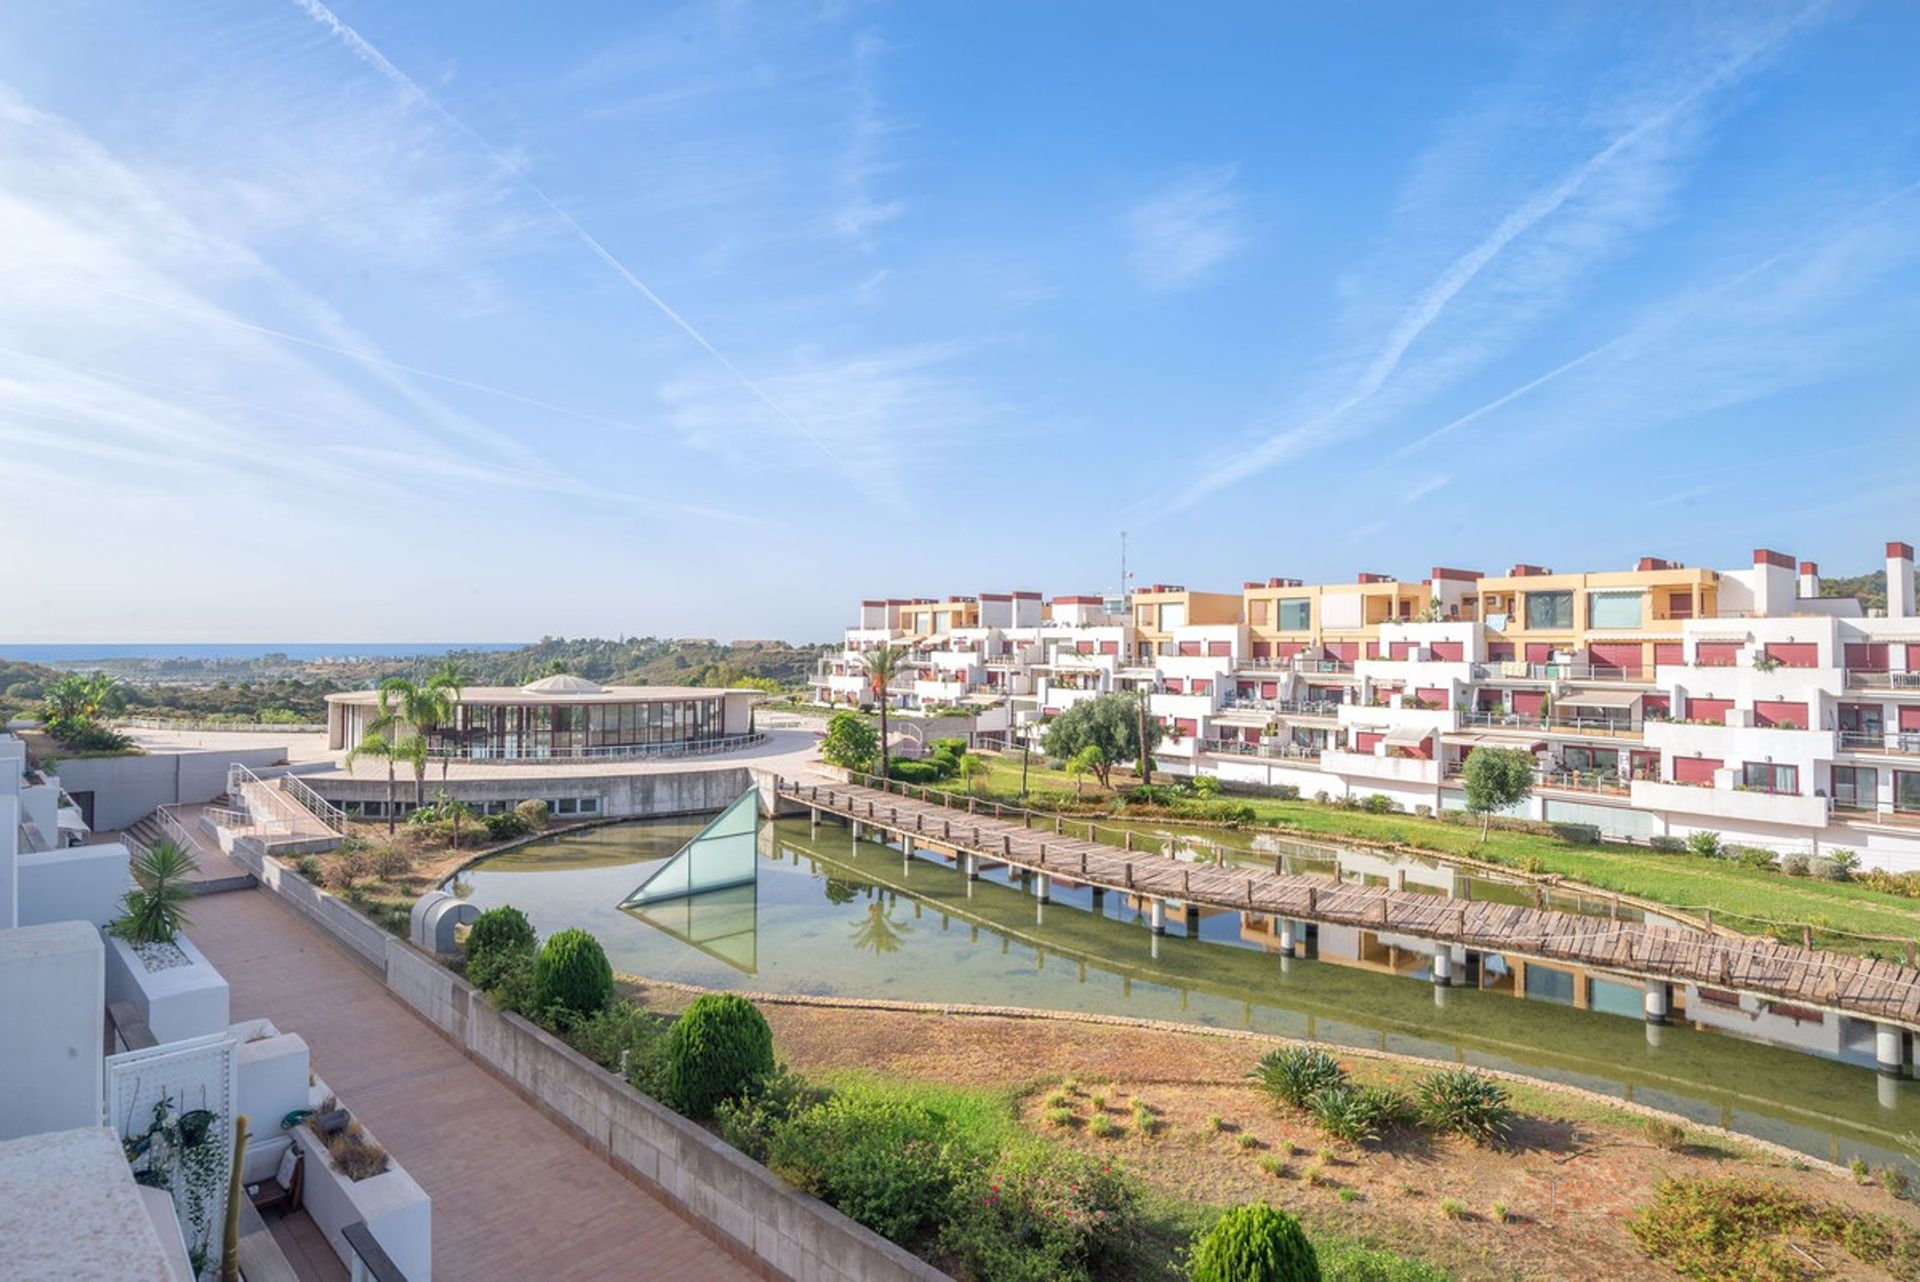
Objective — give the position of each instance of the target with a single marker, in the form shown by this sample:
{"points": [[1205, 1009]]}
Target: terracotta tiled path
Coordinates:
{"points": [[514, 1196]]}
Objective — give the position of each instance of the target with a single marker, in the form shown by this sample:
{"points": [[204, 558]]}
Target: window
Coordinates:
{"points": [[1219, 649], [1549, 609], [1615, 609], [1549, 984], [589, 805], [1856, 787], [1295, 615], [1764, 776]]}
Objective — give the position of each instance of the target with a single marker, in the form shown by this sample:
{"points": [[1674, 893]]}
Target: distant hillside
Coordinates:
{"points": [[1870, 588], [684, 661]]}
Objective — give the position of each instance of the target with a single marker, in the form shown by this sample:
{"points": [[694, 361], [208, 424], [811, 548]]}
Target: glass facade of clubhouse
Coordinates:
{"points": [[563, 717]]}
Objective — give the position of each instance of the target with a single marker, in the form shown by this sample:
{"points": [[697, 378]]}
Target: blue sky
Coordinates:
{"points": [[488, 320]]}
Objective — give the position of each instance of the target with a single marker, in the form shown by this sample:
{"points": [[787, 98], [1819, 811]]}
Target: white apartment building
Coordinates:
{"points": [[1657, 701]]}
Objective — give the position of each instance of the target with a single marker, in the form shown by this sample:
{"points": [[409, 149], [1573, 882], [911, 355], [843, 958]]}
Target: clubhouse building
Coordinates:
{"points": [[565, 718]]}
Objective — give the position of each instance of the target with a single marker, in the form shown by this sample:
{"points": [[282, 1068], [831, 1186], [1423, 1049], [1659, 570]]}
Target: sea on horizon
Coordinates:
{"points": [[102, 652]]}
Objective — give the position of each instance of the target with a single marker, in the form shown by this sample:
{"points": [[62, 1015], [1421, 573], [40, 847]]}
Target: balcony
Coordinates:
{"points": [[1516, 670], [1323, 667], [1601, 726], [1270, 751], [1859, 679], [1905, 743], [1599, 783], [1729, 803]]}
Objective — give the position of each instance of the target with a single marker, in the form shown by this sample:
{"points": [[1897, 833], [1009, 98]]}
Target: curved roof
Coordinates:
{"points": [[563, 684]]}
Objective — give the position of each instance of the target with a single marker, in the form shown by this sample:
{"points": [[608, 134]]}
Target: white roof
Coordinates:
{"points": [[1408, 736], [563, 683], [1602, 698]]}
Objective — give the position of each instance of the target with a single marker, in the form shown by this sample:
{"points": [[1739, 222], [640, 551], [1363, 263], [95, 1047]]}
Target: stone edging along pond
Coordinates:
{"points": [[963, 1010]]}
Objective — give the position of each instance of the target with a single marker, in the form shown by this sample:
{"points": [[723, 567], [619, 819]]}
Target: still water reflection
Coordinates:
{"points": [[833, 917]]}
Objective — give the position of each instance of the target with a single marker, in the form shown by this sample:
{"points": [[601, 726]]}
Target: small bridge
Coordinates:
{"points": [[1884, 993]]}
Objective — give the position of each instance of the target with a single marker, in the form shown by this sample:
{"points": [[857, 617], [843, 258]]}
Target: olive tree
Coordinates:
{"points": [[1497, 778], [850, 743], [1108, 722]]}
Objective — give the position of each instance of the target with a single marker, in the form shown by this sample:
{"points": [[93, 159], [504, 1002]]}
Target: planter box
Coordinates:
{"points": [[179, 1001], [396, 1210]]}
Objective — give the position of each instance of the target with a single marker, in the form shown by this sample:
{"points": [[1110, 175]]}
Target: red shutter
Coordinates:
{"points": [[1186, 726], [1174, 686], [1433, 695], [1083, 647], [1400, 649], [1870, 656], [1263, 649], [1694, 769], [1616, 656], [1220, 649], [1776, 712], [1452, 651], [1345, 651], [1656, 705], [1364, 740], [1794, 654], [1716, 654], [1539, 652], [1913, 658], [1190, 649], [1200, 686], [1287, 649], [1526, 703], [1909, 719], [1109, 647], [1373, 649], [1669, 652], [1499, 651], [1244, 689], [1714, 710], [1269, 689]]}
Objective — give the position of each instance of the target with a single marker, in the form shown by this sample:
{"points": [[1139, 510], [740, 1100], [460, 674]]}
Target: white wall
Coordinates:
{"points": [[80, 883], [53, 1008], [178, 1003]]}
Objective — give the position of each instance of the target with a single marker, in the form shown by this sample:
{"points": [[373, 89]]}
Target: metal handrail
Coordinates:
{"points": [[371, 1263], [171, 825], [610, 752], [1889, 680], [323, 810]]}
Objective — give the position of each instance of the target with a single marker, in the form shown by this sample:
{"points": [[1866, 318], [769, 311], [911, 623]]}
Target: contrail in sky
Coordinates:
{"points": [[354, 41]]}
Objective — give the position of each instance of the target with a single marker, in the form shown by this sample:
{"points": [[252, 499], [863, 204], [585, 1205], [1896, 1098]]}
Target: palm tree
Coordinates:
{"points": [[1081, 763], [878, 932], [156, 908], [972, 766], [450, 678], [421, 708], [377, 744], [883, 665]]}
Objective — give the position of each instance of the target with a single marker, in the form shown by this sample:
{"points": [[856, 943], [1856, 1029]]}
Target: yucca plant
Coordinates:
{"points": [[156, 908], [1467, 1103], [1293, 1075]]}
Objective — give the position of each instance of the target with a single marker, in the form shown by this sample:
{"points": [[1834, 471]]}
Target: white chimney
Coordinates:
{"points": [[1899, 580], [1773, 583], [1809, 580]]}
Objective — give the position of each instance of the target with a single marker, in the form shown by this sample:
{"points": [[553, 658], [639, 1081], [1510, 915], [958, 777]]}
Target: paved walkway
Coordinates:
{"points": [[514, 1196]]}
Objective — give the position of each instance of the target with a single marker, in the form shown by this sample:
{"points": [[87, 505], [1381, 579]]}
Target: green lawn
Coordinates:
{"points": [[1678, 880]]}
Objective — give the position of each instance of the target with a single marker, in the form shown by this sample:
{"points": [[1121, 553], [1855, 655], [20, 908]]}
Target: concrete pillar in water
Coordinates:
{"points": [[1887, 1090], [1889, 1050], [1042, 887], [813, 821], [1443, 967], [1286, 935], [1440, 995], [855, 824], [1655, 1033], [906, 847], [1158, 915], [1040, 912], [971, 863], [1153, 946], [1655, 1002]]}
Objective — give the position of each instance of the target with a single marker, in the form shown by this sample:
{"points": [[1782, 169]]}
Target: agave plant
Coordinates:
{"points": [[1293, 1075], [1466, 1103], [156, 908]]}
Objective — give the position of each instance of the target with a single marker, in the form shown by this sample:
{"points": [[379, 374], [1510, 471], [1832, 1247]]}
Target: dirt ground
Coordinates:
{"points": [[1572, 1175]]}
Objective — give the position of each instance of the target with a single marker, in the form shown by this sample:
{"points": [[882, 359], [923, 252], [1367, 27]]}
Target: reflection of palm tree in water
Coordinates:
{"points": [[879, 933], [842, 891]]}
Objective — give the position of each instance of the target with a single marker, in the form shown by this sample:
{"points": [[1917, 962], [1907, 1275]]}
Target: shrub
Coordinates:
{"points": [[572, 974], [1671, 1136], [1247, 1139], [534, 811], [749, 1122], [1292, 1075], [507, 825], [1498, 1211], [1424, 812], [1795, 865], [1102, 1127], [1466, 1102], [1278, 1169], [919, 773], [1379, 803], [347, 869], [887, 1163], [1894, 1180], [1041, 1212], [1731, 1230], [1287, 791], [1204, 786], [718, 1049], [621, 1031], [1454, 1209], [1667, 845], [1753, 857], [1060, 1116], [494, 935], [1322, 797], [1578, 834], [1705, 844], [390, 862], [1847, 862], [1357, 1114], [1826, 870], [1254, 1243], [308, 866]]}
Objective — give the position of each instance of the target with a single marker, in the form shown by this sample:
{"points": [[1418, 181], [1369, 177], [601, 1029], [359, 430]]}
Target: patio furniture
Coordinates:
{"points": [[282, 1192]]}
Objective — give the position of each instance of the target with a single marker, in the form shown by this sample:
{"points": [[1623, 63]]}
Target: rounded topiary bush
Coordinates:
{"points": [[573, 973], [1254, 1243], [717, 1050], [494, 936]]}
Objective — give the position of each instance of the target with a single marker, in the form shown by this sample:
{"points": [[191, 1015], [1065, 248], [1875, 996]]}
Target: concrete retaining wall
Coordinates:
{"points": [[126, 790], [658, 795], [739, 1202]]}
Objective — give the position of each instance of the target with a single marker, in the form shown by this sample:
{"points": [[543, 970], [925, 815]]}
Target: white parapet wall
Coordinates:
{"points": [[396, 1210], [52, 980], [179, 1001], [79, 883]]}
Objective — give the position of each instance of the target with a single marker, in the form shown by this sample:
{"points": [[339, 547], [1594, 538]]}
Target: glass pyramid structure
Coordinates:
{"points": [[724, 853]]}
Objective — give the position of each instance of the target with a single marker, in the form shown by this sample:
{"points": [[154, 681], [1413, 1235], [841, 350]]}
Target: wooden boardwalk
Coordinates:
{"points": [[1880, 991]]}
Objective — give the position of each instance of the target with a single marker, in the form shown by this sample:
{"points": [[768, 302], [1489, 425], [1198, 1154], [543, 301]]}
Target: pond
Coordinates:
{"points": [[830, 916]]}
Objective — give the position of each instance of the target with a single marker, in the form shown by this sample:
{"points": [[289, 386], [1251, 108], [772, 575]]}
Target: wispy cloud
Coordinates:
{"points": [[862, 210], [1182, 232], [1519, 266]]}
